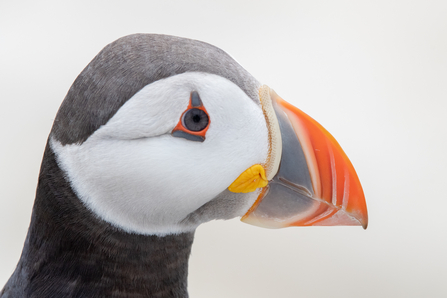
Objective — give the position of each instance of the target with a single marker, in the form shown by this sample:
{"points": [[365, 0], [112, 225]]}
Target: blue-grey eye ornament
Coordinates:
{"points": [[194, 122]]}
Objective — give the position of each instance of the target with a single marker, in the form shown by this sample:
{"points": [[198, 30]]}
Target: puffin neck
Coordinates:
{"points": [[69, 252]]}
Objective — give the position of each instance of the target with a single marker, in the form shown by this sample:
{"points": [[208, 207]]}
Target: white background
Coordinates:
{"points": [[374, 73]]}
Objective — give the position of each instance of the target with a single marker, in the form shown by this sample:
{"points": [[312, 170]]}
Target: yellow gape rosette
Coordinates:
{"points": [[251, 179]]}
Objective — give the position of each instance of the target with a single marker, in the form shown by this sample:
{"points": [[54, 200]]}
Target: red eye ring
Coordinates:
{"points": [[198, 119]]}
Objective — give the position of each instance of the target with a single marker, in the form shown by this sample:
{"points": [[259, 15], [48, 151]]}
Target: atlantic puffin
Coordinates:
{"points": [[157, 135]]}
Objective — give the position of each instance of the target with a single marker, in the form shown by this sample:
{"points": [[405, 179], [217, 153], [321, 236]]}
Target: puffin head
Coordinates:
{"points": [[159, 134]]}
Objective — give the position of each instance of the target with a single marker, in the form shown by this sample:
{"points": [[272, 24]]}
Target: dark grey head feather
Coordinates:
{"points": [[128, 64]]}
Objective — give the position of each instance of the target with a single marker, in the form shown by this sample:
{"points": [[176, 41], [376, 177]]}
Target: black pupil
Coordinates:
{"points": [[195, 120]]}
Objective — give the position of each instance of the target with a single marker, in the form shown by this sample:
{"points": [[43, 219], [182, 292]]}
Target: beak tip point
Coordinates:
{"points": [[365, 224]]}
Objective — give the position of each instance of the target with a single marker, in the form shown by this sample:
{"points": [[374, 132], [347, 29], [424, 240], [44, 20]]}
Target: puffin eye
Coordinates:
{"points": [[195, 120]]}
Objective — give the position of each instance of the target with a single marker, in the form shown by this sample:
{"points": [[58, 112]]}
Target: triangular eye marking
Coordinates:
{"points": [[194, 122], [195, 100]]}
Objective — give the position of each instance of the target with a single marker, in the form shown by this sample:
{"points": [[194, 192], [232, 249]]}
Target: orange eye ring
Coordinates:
{"points": [[198, 119]]}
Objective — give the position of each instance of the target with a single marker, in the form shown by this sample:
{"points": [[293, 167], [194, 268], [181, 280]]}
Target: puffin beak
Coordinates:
{"points": [[315, 185]]}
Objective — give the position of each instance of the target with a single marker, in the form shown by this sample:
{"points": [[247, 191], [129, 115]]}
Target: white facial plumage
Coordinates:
{"points": [[134, 174]]}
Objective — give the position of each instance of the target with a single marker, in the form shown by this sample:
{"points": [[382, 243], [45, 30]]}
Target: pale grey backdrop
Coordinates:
{"points": [[374, 73]]}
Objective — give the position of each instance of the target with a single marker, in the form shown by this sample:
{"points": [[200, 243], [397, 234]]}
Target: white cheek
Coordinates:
{"points": [[149, 185]]}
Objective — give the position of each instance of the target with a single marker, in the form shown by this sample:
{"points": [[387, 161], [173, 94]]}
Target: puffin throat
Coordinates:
{"points": [[70, 252]]}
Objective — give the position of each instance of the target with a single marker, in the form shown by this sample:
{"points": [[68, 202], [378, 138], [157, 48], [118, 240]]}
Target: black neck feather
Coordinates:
{"points": [[69, 252]]}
